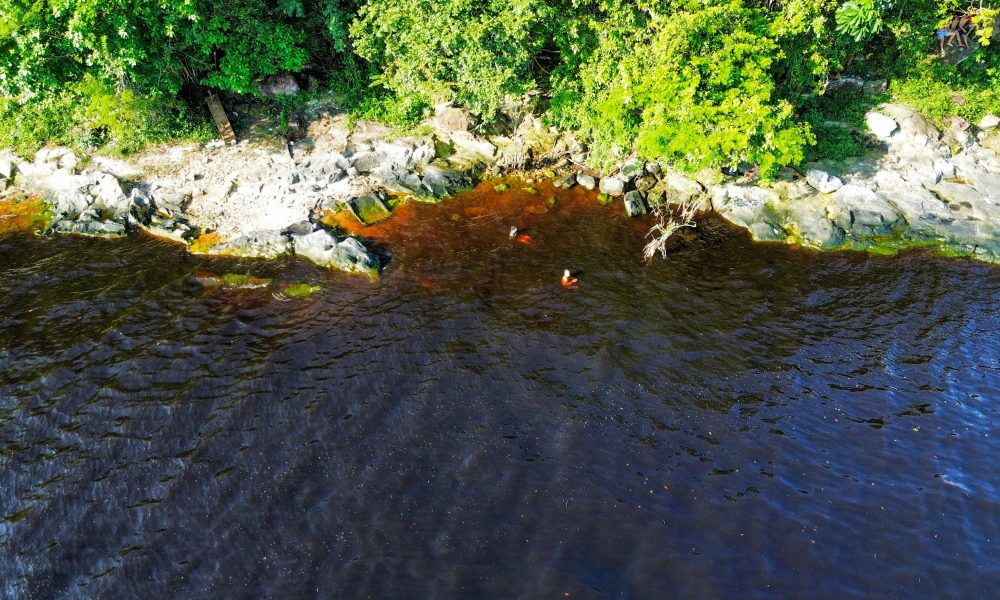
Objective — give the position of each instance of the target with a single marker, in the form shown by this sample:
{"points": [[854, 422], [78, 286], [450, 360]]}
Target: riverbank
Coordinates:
{"points": [[290, 196]]}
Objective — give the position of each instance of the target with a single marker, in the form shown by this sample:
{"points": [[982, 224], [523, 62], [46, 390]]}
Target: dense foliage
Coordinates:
{"points": [[699, 82]]}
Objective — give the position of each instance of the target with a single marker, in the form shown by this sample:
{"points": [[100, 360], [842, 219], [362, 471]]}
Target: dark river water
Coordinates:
{"points": [[738, 420]]}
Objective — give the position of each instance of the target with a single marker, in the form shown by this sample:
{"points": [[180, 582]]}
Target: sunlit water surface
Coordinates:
{"points": [[736, 420]]}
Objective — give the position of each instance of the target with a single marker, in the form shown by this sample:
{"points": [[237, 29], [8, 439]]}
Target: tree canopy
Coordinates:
{"points": [[700, 82]]}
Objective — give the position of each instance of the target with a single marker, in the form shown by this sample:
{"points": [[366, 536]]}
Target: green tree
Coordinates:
{"points": [[470, 51]]}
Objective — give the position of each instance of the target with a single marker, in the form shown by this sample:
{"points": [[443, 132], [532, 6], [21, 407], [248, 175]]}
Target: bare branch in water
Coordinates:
{"points": [[668, 220]]}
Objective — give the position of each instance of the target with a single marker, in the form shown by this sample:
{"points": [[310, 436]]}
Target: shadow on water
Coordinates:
{"points": [[737, 419]]}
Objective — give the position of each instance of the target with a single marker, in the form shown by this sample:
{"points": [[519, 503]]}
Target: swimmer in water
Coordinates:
{"points": [[513, 232], [568, 279]]}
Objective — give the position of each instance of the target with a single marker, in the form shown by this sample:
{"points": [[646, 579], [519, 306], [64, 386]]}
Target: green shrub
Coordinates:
{"points": [[700, 93], [474, 52], [90, 115], [939, 91]]}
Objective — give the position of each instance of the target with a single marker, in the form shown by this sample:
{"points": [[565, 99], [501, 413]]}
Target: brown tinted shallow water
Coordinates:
{"points": [[739, 420]]}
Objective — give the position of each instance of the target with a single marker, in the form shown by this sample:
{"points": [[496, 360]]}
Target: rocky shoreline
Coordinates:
{"points": [[924, 188]]}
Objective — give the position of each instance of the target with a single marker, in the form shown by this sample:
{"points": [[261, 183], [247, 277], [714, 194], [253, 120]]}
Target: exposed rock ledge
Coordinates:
{"points": [[927, 188], [253, 200]]}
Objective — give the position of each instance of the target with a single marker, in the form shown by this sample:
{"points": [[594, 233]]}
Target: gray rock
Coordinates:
{"points": [[764, 231], [56, 158], [398, 153], [656, 197], [845, 84], [70, 203], [440, 182], [959, 196], [302, 146], [369, 208], [880, 125], [680, 188], [586, 181], [466, 141], [300, 228], [862, 212], [566, 181], [448, 119], [750, 207], [875, 87], [367, 162], [423, 153], [944, 168], [108, 195], [7, 168], [141, 206], [171, 201], [90, 227], [612, 186], [989, 122], [923, 211], [404, 183], [914, 165], [635, 204], [279, 85], [810, 221], [986, 183], [957, 137], [823, 181], [916, 130], [632, 169], [348, 255]]}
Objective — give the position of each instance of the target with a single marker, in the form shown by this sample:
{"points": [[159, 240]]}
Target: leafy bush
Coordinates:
{"points": [[701, 93], [474, 52], [861, 19], [697, 82], [89, 115], [939, 91]]}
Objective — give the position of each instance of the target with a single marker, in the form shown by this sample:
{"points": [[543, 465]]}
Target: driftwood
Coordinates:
{"points": [[221, 120]]}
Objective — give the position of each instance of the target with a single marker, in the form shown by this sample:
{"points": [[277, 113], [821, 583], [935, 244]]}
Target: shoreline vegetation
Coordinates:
{"points": [[834, 126]]}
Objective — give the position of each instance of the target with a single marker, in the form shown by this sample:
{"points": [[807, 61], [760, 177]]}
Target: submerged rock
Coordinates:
{"points": [[257, 244], [24, 214], [300, 290], [230, 280]]}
